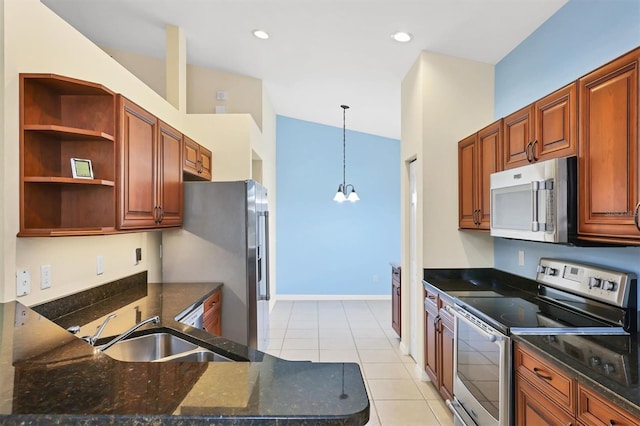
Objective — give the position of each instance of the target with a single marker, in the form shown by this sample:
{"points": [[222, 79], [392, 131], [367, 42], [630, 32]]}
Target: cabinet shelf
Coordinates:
{"points": [[63, 118], [65, 180], [68, 133], [67, 232]]}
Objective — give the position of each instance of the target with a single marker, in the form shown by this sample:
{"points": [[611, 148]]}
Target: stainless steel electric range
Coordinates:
{"points": [[575, 303]]}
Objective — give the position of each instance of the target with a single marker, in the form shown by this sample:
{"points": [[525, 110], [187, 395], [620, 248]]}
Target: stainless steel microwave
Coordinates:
{"points": [[536, 202]]}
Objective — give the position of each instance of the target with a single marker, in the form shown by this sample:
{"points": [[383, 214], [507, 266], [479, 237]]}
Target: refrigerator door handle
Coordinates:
{"points": [[266, 257]]}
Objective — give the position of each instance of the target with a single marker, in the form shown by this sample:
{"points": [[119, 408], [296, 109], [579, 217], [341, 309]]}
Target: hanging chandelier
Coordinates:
{"points": [[346, 192]]}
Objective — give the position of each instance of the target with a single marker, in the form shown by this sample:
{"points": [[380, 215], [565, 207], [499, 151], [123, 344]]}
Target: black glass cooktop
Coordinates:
{"points": [[511, 314]]}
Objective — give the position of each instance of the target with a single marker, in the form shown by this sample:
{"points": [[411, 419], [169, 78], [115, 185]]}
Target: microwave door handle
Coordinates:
{"points": [[535, 188]]}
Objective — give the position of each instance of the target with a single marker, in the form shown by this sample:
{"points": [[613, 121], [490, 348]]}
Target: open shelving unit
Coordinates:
{"points": [[63, 118]]}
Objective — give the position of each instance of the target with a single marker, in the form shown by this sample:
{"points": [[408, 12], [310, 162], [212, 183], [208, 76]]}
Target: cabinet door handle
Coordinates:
{"points": [[536, 371], [397, 291], [636, 213], [612, 423], [526, 152], [155, 214], [533, 150]]}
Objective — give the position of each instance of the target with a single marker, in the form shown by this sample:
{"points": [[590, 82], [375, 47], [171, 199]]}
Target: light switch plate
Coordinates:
{"points": [[99, 265], [45, 276]]}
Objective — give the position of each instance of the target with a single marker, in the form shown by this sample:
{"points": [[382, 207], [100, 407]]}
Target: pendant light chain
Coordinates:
{"points": [[344, 144], [345, 192]]}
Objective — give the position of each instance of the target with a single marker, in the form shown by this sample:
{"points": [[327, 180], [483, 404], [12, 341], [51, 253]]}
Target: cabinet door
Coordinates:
{"points": [[556, 125], [206, 163], [467, 193], [489, 161], [518, 136], [609, 169], [396, 307], [191, 153], [446, 348], [431, 339], [169, 186], [137, 166], [533, 408], [594, 409]]}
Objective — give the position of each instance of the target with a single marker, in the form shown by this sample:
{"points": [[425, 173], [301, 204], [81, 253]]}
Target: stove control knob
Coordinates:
{"points": [[550, 271], [608, 368], [608, 285], [594, 361], [594, 282]]}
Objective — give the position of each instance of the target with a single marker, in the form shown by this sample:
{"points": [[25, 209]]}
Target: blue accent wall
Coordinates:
{"points": [[329, 248], [580, 37]]}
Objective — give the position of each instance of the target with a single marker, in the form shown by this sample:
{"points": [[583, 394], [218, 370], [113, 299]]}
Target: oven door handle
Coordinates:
{"points": [[492, 337], [460, 413]]}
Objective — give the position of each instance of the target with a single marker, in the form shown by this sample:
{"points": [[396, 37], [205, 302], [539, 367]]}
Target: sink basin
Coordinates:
{"points": [[161, 347]]}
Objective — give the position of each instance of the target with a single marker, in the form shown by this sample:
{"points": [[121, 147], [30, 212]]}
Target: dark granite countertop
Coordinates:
{"points": [[49, 376], [464, 282]]}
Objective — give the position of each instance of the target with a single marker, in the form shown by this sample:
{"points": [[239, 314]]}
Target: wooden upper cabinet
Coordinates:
{"points": [[150, 170], [197, 160], [63, 118], [556, 125], [479, 155], [137, 165], [169, 181], [518, 136], [543, 130], [609, 163], [467, 182]]}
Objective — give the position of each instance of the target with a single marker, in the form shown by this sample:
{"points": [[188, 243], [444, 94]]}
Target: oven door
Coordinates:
{"points": [[482, 372]]}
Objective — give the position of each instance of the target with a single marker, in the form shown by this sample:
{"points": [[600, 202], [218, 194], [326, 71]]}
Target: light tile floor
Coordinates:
{"points": [[359, 331]]}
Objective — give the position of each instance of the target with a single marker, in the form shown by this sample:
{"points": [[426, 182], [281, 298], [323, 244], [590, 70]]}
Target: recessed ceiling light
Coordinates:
{"points": [[261, 34], [401, 37]]}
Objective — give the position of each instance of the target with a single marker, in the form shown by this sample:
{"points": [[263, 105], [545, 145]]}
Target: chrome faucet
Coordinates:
{"points": [[92, 339], [155, 320]]}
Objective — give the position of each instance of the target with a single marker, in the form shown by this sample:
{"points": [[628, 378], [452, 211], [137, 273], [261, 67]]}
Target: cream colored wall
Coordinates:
{"points": [[150, 70], [39, 41], [458, 101], [244, 94], [443, 100], [4, 244]]}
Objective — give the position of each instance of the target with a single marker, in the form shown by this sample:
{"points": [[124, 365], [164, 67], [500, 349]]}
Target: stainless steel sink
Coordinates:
{"points": [[161, 347]]}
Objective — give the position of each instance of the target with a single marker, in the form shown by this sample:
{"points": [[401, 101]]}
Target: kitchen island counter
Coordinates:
{"points": [[49, 376]]}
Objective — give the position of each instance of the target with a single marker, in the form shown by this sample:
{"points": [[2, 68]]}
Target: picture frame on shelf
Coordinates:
{"points": [[81, 168]]}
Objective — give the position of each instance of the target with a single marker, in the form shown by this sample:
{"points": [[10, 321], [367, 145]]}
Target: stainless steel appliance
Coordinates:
{"points": [[225, 238], [536, 202], [574, 300], [192, 317]]}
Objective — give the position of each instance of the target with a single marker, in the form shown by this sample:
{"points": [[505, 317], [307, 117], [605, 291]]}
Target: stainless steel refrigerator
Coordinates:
{"points": [[225, 238]]}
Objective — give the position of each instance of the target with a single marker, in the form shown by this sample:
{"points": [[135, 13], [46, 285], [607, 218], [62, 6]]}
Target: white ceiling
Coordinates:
{"points": [[321, 53]]}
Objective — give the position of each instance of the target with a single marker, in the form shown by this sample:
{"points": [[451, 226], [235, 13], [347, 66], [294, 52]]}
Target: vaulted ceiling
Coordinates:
{"points": [[321, 53]]}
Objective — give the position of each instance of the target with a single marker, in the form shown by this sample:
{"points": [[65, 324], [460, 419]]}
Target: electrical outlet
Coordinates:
{"points": [[137, 256], [520, 257], [221, 95], [375, 278], [45, 276], [23, 282], [99, 265]]}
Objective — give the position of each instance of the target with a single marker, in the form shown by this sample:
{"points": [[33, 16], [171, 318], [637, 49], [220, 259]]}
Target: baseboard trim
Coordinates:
{"points": [[311, 297]]}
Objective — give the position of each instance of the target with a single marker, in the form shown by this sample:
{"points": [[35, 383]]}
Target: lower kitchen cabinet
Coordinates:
{"points": [[439, 340], [595, 410], [546, 394], [534, 408], [211, 321], [396, 302]]}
